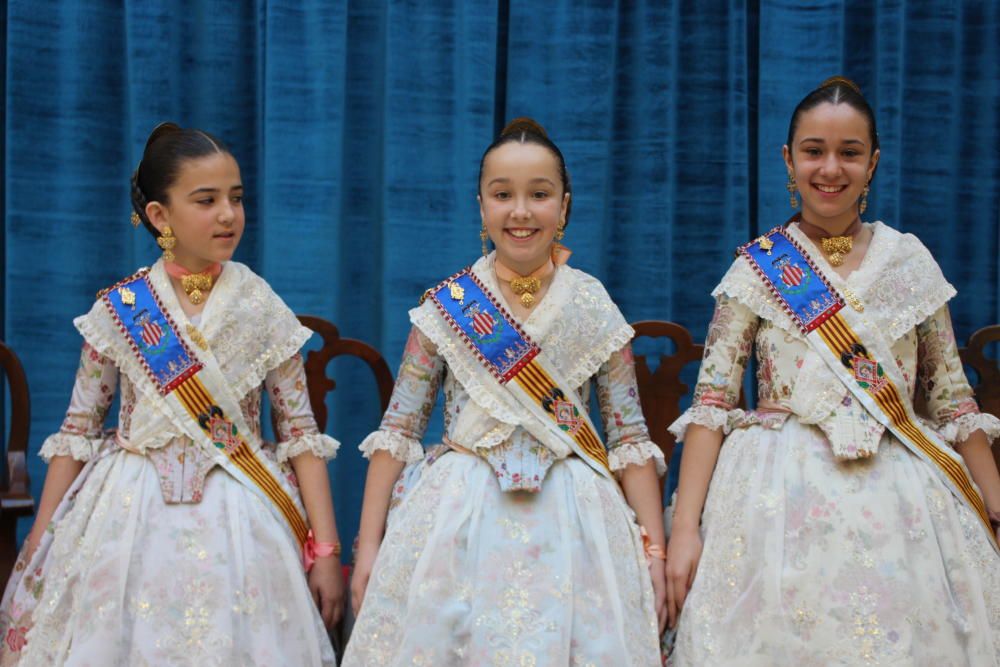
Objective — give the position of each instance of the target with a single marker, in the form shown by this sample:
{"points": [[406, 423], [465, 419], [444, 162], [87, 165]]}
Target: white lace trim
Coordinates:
{"points": [[958, 430], [248, 328], [636, 453], [320, 444], [402, 448], [899, 281], [475, 379], [576, 304], [745, 286], [80, 447], [709, 416]]}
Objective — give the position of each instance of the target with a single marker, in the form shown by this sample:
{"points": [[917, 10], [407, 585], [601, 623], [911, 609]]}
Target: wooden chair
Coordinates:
{"points": [[335, 346], [988, 372], [15, 492], [660, 393]]}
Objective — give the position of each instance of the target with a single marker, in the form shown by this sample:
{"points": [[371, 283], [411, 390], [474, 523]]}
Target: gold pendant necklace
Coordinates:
{"points": [[195, 285], [836, 248], [526, 287]]}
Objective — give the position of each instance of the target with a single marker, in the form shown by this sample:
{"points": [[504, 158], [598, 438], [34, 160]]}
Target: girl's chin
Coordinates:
{"points": [[522, 255]]}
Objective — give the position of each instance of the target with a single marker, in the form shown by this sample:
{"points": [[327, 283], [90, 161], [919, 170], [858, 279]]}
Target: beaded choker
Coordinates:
{"points": [[194, 284]]}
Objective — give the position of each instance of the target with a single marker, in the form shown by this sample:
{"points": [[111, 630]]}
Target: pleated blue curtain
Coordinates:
{"points": [[359, 125]]}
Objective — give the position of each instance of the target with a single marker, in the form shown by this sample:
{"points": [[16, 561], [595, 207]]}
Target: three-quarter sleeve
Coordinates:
{"points": [[945, 390], [412, 402], [727, 351], [618, 396], [82, 430], [297, 432]]}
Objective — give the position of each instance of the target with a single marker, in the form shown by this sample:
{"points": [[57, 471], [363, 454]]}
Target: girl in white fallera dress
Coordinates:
{"points": [[513, 543], [180, 538], [851, 519]]}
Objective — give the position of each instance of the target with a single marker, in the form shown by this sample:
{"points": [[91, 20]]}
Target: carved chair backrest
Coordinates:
{"points": [[15, 491], [334, 346]]}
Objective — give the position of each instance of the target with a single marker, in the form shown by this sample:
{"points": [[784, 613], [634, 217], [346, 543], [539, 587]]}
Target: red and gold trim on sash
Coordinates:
{"points": [[844, 343], [533, 379], [197, 400]]}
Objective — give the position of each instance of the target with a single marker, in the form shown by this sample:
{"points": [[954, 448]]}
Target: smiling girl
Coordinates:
{"points": [[180, 538], [852, 518], [517, 541]]}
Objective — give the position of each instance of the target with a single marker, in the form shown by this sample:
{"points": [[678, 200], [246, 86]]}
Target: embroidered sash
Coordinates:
{"points": [[855, 351], [197, 394], [500, 346]]}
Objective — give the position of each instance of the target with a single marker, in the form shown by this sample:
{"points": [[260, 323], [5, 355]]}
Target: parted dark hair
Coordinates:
{"points": [[168, 147], [525, 130], [836, 90]]}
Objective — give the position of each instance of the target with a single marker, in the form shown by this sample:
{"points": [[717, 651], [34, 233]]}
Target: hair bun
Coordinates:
{"points": [[524, 124], [162, 130], [840, 81]]}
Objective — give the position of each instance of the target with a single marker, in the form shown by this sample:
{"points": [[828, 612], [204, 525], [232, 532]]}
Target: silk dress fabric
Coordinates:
{"points": [[811, 555], [548, 573], [156, 555]]}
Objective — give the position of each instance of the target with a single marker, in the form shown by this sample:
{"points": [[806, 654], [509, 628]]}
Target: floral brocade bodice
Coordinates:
{"points": [[904, 295], [583, 333], [254, 338]]}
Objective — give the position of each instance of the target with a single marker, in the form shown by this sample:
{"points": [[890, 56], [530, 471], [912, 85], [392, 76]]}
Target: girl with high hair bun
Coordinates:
{"points": [[851, 519], [517, 541], [181, 538]]}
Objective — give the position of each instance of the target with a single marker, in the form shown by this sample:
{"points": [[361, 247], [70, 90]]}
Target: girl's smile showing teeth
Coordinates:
{"points": [[521, 233], [831, 189]]}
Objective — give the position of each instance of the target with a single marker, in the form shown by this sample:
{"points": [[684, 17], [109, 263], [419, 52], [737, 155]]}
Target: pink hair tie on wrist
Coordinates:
{"points": [[312, 550], [651, 550]]}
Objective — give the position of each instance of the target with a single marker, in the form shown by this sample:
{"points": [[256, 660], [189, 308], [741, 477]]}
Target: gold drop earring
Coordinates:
{"points": [[864, 200], [483, 236], [561, 232], [792, 189], [167, 241]]}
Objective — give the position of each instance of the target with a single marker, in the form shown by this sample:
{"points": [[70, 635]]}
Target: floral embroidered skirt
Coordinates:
{"points": [[123, 578], [812, 561], [469, 575]]}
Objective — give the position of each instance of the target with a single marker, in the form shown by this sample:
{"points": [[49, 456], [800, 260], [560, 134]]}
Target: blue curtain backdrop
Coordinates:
{"points": [[359, 125]]}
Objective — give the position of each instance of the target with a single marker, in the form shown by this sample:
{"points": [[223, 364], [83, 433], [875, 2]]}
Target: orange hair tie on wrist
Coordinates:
{"points": [[651, 550]]}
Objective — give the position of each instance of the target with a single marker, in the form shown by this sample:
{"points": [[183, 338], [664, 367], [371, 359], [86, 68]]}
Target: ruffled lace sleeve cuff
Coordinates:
{"points": [[318, 444], [80, 447], [959, 429], [400, 447], [636, 453], [709, 416]]}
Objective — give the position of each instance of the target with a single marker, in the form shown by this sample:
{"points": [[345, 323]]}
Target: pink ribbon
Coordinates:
{"points": [[312, 550]]}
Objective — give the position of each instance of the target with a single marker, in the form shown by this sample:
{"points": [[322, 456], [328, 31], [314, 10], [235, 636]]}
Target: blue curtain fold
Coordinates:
{"points": [[359, 126]]}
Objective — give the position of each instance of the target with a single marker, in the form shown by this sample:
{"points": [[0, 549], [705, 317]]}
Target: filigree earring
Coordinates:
{"points": [[864, 200], [483, 236], [167, 241], [792, 189], [561, 232]]}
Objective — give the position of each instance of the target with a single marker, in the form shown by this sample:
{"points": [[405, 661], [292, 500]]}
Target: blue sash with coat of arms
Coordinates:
{"points": [[501, 347], [196, 392], [857, 353]]}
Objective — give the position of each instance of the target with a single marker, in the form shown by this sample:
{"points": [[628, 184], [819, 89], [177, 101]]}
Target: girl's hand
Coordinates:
{"points": [[364, 558], [683, 554], [658, 573], [326, 582]]}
